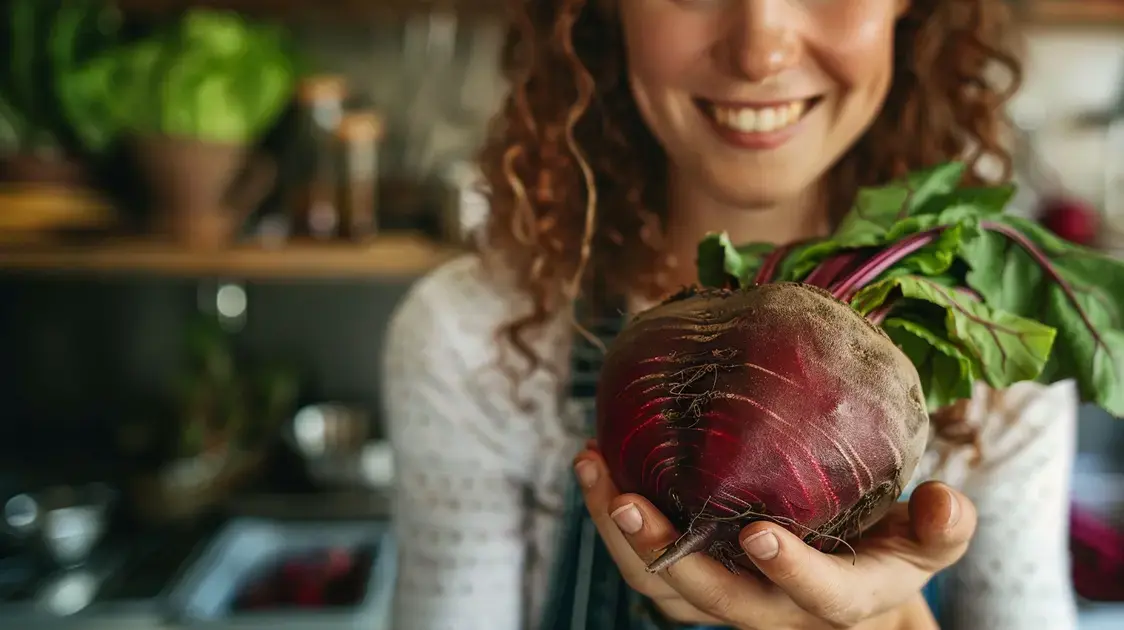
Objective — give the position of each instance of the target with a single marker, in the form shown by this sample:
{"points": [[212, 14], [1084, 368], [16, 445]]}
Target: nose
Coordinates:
{"points": [[764, 40]]}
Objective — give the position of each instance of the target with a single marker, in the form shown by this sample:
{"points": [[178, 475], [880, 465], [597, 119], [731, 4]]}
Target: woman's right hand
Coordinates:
{"points": [[806, 589]]}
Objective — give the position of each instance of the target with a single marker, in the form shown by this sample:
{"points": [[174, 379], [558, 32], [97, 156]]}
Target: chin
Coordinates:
{"points": [[756, 191]]}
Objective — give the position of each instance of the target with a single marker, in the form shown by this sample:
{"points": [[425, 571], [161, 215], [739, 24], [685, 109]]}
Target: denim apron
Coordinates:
{"points": [[587, 591]]}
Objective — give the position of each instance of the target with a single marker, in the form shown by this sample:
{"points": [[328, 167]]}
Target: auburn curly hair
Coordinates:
{"points": [[570, 140]]}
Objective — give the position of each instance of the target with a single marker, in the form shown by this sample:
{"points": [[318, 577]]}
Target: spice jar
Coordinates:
{"points": [[358, 136], [315, 210]]}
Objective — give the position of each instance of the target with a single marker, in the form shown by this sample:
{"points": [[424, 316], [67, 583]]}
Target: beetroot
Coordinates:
{"points": [[795, 384], [777, 399]]}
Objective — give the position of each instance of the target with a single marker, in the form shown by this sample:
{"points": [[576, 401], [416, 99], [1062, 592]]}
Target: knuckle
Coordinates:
{"points": [[677, 610], [640, 583], [788, 572], [716, 601], [839, 612]]}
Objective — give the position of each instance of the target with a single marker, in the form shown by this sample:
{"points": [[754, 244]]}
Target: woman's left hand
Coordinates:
{"points": [[805, 588]]}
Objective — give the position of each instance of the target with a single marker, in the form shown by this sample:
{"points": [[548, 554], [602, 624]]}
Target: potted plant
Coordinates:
{"points": [[47, 130], [193, 98], [226, 414]]}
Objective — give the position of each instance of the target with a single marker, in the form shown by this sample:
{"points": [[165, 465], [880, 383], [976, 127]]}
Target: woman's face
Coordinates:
{"points": [[754, 100]]}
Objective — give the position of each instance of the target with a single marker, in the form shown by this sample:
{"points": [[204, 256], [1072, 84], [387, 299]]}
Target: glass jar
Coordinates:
{"points": [[358, 137], [316, 205]]}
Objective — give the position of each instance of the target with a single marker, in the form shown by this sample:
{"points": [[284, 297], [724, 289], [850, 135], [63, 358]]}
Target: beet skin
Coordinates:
{"points": [[776, 402]]}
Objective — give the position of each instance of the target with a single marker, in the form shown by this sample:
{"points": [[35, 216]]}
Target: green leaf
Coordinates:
{"points": [[1003, 347], [1086, 307], [946, 374], [81, 30], [12, 128], [982, 200], [919, 202], [719, 260], [213, 76], [878, 208]]}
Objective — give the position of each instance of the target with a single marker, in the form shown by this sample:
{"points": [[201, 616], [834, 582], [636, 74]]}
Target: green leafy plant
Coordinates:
{"points": [[226, 402], [211, 75], [47, 41], [967, 291]]}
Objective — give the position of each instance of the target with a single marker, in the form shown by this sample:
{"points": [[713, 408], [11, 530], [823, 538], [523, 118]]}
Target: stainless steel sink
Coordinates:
{"points": [[245, 548]]}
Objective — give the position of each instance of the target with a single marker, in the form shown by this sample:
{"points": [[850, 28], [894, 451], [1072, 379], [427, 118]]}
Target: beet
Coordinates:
{"points": [[794, 385], [777, 400]]}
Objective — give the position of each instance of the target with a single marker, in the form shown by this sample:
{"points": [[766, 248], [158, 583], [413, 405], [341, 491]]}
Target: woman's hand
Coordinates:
{"points": [[806, 589]]}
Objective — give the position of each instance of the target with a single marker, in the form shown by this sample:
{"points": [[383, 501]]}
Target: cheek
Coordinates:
{"points": [[663, 61], [858, 47], [658, 63]]}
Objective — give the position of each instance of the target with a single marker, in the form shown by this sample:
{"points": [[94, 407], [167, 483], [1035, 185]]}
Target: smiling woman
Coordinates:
{"points": [[830, 61], [633, 128]]}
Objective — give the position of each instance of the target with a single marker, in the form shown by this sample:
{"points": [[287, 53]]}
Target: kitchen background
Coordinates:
{"points": [[144, 379]]}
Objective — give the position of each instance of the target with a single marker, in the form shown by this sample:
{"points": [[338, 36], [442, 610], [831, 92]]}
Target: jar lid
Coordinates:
{"points": [[322, 87], [363, 125]]}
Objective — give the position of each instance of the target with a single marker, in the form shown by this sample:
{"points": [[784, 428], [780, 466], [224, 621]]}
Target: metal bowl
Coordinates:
{"points": [[331, 439], [328, 430], [67, 522]]}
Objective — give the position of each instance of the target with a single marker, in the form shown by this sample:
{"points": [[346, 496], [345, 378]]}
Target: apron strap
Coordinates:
{"points": [[586, 590]]}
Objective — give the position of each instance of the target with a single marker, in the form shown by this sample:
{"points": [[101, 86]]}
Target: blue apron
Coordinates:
{"points": [[587, 591]]}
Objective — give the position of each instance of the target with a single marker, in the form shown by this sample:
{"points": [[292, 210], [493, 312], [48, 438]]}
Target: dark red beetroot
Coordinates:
{"points": [[775, 402]]}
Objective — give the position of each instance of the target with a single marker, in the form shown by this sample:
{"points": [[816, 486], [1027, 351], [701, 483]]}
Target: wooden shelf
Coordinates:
{"points": [[321, 10], [389, 256], [1071, 12]]}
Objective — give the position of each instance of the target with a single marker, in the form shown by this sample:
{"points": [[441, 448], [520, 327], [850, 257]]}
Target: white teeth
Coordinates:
{"points": [[762, 120]]}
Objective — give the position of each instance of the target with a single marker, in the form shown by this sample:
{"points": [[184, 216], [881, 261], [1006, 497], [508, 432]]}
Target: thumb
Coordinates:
{"points": [[943, 521]]}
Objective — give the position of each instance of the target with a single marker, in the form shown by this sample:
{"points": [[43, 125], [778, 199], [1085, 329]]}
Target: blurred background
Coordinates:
{"points": [[208, 211]]}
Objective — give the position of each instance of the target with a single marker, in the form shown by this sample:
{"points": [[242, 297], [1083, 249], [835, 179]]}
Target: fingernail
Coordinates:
{"points": [[953, 508], [587, 474], [628, 518], [762, 545]]}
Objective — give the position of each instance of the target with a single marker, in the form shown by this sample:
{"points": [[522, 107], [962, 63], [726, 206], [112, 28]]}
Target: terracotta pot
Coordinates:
{"points": [[201, 193]]}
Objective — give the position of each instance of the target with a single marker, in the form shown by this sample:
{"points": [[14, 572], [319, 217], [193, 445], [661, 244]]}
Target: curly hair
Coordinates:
{"points": [[570, 139]]}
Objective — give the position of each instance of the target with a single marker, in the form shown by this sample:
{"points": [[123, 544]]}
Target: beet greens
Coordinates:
{"points": [[967, 292]]}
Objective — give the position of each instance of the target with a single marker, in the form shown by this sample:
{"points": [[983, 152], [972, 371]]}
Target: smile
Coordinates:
{"points": [[757, 126]]}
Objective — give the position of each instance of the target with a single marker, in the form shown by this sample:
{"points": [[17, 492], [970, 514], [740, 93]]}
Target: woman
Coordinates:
{"points": [[643, 124]]}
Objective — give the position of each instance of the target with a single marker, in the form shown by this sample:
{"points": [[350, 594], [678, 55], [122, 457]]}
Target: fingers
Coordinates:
{"points": [[815, 581], [700, 580], [599, 491], [893, 561], [697, 587]]}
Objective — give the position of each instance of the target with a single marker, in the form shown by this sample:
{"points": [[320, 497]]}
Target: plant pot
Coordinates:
{"points": [[201, 192], [187, 487]]}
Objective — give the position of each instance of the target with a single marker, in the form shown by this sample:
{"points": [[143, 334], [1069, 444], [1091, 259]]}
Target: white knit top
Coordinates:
{"points": [[480, 479]]}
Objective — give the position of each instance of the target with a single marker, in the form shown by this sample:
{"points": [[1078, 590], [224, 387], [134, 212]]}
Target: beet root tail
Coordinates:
{"points": [[696, 539]]}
